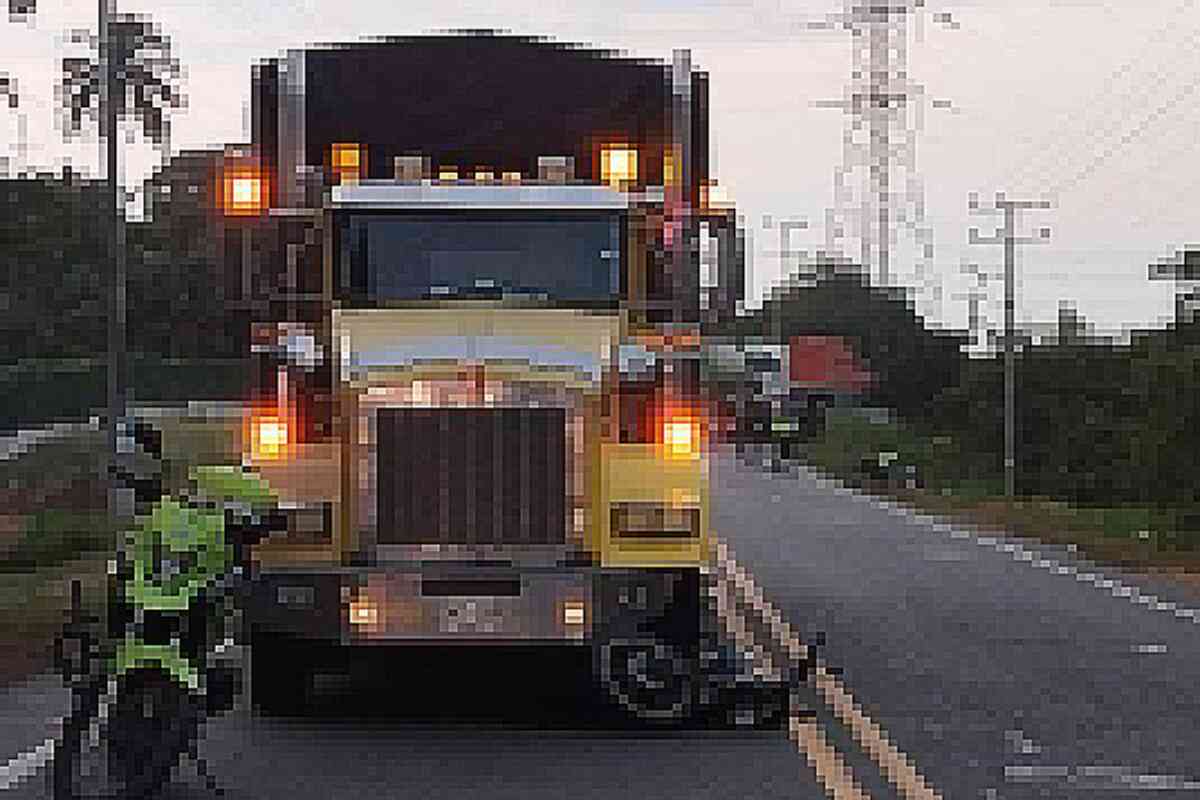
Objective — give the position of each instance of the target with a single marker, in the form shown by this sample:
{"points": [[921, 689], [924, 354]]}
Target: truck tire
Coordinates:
{"points": [[650, 678], [278, 676], [647, 652]]}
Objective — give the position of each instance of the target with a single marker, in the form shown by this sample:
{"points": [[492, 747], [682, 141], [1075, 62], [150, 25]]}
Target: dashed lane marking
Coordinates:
{"points": [[1099, 777]]}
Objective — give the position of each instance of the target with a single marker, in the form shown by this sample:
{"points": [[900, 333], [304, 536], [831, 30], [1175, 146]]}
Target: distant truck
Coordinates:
{"points": [[471, 279], [780, 393]]}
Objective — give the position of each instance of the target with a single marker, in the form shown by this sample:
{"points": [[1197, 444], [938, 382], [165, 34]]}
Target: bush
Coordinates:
{"points": [[54, 536]]}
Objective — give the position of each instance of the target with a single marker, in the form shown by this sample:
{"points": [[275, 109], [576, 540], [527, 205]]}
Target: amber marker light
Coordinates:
{"points": [[618, 165], [680, 436], [346, 161], [244, 192], [363, 612]]}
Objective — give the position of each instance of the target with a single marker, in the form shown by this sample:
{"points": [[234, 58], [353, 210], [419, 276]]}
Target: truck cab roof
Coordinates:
{"points": [[386, 195]]}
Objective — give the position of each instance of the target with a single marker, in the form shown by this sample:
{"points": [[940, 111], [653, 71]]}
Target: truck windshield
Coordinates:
{"points": [[571, 257]]}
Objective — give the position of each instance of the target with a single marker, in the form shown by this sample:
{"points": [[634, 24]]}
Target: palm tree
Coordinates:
{"points": [[21, 10]]}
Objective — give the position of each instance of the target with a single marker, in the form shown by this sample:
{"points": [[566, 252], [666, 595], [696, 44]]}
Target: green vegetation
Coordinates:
{"points": [[34, 605], [184, 340], [35, 392], [961, 483], [1106, 433], [53, 536]]}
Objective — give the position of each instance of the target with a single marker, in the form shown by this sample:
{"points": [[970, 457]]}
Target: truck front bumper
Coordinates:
{"points": [[426, 603]]}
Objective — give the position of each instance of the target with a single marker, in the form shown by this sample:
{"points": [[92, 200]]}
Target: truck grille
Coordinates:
{"points": [[466, 476]]}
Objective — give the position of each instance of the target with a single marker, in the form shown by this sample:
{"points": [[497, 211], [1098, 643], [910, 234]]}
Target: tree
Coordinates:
{"points": [[133, 58], [912, 363]]}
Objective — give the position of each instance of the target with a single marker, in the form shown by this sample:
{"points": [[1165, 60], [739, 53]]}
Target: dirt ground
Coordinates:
{"points": [[33, 608]]}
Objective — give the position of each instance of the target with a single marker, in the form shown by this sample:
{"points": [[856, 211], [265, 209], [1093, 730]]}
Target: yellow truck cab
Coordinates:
{"points": [[488, 398]]}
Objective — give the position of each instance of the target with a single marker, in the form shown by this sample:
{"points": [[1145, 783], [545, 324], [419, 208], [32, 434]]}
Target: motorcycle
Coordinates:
{"points": [[170, 653]]}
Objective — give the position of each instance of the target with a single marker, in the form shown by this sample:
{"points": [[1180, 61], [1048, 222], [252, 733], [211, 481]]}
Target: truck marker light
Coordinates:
{"points": [[243, 192], [618, 165], [346, 161], [363, 612], [573, 612]]}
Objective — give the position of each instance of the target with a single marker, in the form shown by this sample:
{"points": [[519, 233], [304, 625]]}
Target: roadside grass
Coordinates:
{"points": [[54, 496], [56, 529], [34, 605], [53, 536], [959, 484]]}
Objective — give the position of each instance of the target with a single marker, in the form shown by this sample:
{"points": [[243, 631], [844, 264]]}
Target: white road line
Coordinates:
{"points": [[18, 444], [1099, 777], [24, 766], [15, 445], [1019, 552]]}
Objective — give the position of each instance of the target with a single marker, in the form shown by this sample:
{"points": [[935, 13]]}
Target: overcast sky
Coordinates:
{"points": [[1094, 101]]}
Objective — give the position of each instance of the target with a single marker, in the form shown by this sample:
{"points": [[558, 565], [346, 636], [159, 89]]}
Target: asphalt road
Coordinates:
{"points": [[1000, 673]]}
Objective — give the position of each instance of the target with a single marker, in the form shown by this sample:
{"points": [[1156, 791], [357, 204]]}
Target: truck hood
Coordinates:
{"points": [[369, 339]]}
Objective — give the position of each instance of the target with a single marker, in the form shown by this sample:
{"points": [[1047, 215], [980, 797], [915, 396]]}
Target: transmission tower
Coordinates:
{"points": [[878, 190]]}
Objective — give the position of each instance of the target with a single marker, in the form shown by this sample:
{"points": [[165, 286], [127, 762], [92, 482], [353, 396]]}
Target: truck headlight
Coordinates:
{"points": [[363, 612], [573, 612]]}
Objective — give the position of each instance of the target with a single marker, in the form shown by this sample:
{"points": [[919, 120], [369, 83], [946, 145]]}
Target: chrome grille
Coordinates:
{"points": [[465, 476]]}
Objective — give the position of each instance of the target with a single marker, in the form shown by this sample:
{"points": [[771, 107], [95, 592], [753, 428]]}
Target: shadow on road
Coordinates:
{"points": [[519, 687]]}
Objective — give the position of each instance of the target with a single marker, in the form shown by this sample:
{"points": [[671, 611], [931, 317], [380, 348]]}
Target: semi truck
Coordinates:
{"points": [[470, 271]]}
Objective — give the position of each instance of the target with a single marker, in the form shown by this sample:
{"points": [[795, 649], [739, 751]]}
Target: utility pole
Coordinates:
{"points": [[976, 320], [786, 226], [1184, 270], [112, 98], [1007, 236]]}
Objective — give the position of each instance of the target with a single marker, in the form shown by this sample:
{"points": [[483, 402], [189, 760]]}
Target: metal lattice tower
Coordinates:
{"points": [[878, 190]]}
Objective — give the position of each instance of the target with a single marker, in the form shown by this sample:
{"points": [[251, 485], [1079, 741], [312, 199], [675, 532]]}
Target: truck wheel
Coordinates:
{"points": [[278, 677], [649, 678]]}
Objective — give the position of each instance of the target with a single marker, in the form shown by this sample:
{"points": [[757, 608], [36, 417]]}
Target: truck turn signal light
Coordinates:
{"points": [[618, 165], [243, 192]]}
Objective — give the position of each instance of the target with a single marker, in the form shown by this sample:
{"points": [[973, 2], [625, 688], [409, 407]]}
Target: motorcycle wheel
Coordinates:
{"points": [[152, 723]]}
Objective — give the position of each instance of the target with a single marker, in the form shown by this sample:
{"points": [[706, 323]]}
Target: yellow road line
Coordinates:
{"points": [[896, 766], [831, 770], [736, 628]]}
